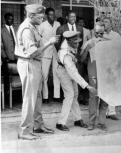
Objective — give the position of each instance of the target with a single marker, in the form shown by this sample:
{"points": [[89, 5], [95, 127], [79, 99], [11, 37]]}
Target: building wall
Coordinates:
{"points": [[56, 4]]}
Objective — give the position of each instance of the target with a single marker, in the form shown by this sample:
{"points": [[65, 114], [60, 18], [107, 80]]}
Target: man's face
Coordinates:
{"points": [[81, 23], [72, 18], [9, 20], [38, 18], [107, 24], [51, 16], [99, 32], [73, 42]]}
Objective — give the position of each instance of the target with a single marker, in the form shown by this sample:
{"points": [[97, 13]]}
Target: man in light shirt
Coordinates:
{"points": [[69, 78], [114, 36], [29, 50], [47, 30]]}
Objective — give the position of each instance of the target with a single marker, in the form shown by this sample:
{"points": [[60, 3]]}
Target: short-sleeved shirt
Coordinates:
{"points": [[29, 39]]}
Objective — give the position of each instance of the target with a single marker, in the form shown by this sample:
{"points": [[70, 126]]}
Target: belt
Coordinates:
{"points": [[24, 58]]}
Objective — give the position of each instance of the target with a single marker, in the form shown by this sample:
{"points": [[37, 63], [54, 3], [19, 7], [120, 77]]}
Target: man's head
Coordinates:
{"points": [[72, 38], [50, 12], [9, 19], [107, 23], [71, 17], [80, 22], [99, 30], [35, 13]]}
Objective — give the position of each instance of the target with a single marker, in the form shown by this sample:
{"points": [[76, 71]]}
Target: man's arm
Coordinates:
{"points": [[31, 47], [73, 73]]}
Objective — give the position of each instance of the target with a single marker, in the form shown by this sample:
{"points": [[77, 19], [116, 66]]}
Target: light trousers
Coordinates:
{"points": [[31, 78], [70, 102], [46, 62]]}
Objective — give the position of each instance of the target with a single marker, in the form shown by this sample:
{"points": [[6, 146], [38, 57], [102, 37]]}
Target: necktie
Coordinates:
{"points": [[11, 33], [72, 28]]}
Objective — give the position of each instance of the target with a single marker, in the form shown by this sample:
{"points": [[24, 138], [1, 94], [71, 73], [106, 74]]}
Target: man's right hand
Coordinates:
{"points": [[92, 90], [54, 39]]}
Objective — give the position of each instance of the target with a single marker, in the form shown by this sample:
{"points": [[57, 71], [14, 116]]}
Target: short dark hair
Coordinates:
{"points": [[7, 15], [49, 9], [71, 11]]}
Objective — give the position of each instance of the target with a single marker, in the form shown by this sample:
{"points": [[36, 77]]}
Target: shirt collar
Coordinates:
{"points": [[70, 25], [50, 24], [8, 26]]}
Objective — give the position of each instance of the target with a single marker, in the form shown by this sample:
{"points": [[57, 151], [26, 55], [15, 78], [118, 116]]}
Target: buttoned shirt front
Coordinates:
{"points": [[29, 40], [70, 27], [47, 31]]}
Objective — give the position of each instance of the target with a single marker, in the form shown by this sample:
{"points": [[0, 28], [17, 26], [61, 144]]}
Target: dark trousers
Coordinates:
{"points": [[5, 74], [83, 94], [97, 107]]}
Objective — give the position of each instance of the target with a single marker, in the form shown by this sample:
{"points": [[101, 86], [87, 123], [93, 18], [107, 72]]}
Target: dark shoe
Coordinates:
{"points": [[102, 127], [80, 123], [62, 127], [43, 130], [112, 117], [57, 100], [46, 101], [91, 127], [28, 136]]}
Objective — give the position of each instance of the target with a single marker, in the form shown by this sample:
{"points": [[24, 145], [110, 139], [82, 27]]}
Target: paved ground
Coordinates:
{"points": [[77, 140]]}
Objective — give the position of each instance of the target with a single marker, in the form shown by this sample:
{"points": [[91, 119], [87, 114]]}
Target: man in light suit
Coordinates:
{"points": [[69, 77], [47, 30], [29, 51]]}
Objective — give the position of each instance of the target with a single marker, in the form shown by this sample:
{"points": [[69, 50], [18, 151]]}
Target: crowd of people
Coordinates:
{"points": [[66, 45]]}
